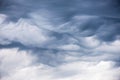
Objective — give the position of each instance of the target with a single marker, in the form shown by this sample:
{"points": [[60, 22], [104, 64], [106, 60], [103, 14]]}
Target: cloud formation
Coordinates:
{"points": [[59, 39], [21, 67]]}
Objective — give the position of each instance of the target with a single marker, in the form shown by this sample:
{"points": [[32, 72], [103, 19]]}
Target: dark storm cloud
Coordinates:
{"points": [[62, 8]]}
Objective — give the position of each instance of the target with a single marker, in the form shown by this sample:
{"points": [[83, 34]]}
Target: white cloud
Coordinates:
{"points": [[24, 32], [2, 18], [12, 59], [112, 47], [89, 42], [18, 65], [89, 70], [69, 47]]}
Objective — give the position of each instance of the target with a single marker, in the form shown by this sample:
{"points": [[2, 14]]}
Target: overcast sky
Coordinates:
{"points": [[59, 40]]}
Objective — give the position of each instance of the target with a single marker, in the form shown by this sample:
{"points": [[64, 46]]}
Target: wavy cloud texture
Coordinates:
{"points": [[59, 39]]}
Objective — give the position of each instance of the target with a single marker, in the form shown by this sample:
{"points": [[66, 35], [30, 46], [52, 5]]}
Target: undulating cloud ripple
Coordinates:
{"points": [[59, 40]]}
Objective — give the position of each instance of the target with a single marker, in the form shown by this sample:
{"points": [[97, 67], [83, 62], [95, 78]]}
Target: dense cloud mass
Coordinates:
{"points": [[59, 39]]}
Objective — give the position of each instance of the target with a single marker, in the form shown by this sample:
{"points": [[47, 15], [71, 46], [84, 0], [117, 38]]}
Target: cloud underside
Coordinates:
{"points": [[59, 40]]}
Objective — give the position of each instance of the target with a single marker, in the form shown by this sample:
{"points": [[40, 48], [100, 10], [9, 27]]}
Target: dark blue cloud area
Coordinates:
{"points": [[61, 8]]}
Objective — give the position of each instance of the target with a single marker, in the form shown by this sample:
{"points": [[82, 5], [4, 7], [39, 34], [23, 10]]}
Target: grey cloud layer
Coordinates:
{"points": [[62, 8], [89, 33], [53, 24], [62, 32]]}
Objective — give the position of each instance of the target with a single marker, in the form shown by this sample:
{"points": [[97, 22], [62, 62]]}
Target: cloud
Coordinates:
{"points": [[86, 34], [14, 31], [62, 8], [59, 39], [86, 70], [19, 65], [12, 59]]}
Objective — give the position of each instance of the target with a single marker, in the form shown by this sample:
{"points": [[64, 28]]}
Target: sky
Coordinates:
{"points": [[59, 40]]}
